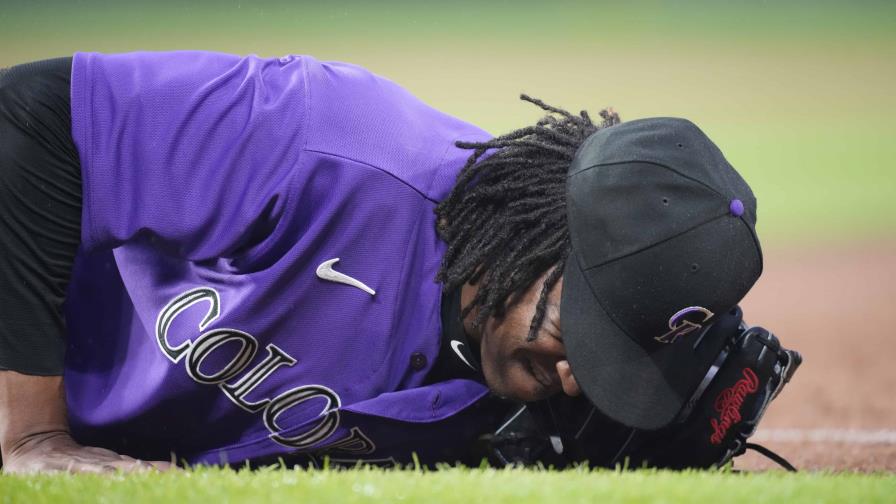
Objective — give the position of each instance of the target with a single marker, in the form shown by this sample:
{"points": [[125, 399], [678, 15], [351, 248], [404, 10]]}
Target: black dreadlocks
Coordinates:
{"points": [[505, 218]]}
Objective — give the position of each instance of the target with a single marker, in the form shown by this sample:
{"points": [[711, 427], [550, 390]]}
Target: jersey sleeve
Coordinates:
{"points": [[193, 151]]}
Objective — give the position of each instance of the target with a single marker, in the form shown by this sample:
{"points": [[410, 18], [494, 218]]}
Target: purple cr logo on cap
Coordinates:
{"points": [[736, 207], [680, 326]]}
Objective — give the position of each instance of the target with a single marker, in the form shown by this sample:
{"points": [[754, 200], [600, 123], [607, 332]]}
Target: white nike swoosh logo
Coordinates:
{"points": [[326, 272], [455, 345]]}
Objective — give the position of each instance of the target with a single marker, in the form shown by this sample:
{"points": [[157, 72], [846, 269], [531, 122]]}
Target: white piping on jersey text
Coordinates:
{"points": [[271, 409]]}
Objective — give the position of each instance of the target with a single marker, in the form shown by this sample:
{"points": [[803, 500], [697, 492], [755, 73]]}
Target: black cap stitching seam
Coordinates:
{"points": [[673, 170], [664, 240]]}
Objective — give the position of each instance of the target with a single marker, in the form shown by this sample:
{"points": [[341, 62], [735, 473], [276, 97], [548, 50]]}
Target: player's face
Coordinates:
{"points": [[521, 369]]}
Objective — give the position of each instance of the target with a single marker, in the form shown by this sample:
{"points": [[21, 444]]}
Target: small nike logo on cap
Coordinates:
{"points": [[326, 272], [455, 345]]}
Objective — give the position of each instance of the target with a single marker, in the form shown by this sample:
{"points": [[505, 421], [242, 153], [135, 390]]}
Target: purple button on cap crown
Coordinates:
{"points": [[736, 207]]}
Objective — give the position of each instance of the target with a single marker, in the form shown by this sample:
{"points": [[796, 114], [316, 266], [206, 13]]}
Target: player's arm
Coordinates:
{"points": [[199, 166], [40, 205], [34, 434]]}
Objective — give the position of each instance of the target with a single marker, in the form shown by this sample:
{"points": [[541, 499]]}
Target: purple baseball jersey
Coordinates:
{"points": [[256, 276]]}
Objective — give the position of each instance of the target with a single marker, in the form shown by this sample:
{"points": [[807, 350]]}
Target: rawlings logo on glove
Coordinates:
{"points": [[729, 402]]}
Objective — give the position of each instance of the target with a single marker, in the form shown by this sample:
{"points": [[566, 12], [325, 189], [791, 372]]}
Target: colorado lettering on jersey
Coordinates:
{"points": [[194, 352]]}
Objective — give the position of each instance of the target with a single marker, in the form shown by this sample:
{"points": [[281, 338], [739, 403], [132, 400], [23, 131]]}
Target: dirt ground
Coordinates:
{"points": [[834, 304]]}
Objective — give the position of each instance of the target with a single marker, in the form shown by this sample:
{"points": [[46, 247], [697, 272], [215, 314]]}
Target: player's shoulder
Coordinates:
{"points": [[326, 108], [357, 114]]}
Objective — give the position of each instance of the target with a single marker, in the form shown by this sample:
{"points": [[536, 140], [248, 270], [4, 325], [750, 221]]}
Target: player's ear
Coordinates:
{"points": [[567, 380]]}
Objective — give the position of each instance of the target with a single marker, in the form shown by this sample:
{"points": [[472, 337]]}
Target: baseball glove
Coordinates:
{"points": [[712, 428]]}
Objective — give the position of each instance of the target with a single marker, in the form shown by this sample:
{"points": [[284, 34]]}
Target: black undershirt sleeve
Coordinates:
{"points": [[40, 214]]}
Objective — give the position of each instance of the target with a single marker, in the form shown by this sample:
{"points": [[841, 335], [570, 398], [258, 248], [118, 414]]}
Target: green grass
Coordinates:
{"points": [[452, 485], [798, 94]]}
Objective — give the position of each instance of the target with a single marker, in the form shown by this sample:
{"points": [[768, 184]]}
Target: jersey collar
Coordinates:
{"points": [[458, 355]]}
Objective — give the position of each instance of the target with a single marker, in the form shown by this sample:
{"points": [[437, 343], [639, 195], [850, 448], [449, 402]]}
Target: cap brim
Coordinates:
{"points": [[623, 381]]}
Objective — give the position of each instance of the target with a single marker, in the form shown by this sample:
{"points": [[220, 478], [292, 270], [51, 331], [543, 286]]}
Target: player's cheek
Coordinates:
{"points": [[523, 386], [505, 370], [502, 375]]}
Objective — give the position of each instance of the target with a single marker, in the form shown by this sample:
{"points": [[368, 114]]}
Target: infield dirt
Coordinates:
{"points": [[834, 304]]}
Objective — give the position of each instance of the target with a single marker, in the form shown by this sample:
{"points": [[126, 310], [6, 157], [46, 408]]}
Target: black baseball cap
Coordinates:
{"points": [[663, 240]]}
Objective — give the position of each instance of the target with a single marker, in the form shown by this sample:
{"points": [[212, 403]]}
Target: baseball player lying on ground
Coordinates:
{"points": [[218, 259]]}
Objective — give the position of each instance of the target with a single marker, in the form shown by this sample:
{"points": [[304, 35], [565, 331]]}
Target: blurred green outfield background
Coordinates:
{"points": [[799, 95]]}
